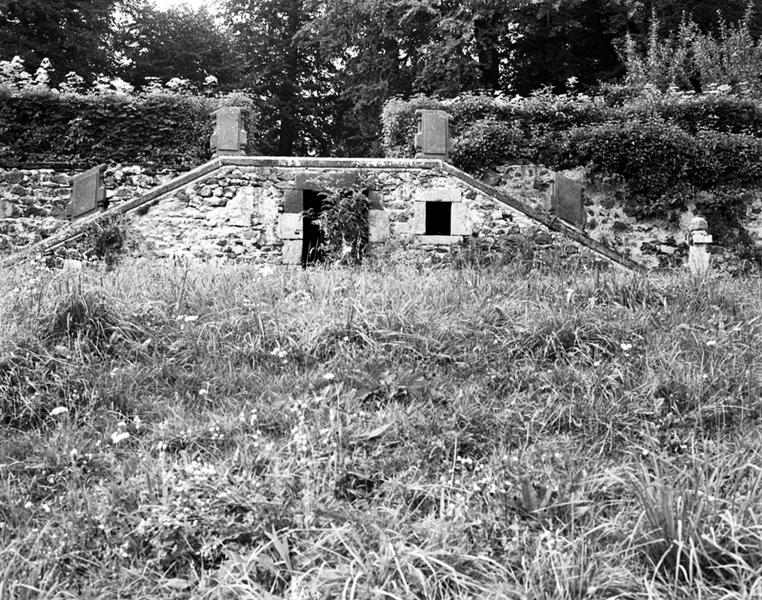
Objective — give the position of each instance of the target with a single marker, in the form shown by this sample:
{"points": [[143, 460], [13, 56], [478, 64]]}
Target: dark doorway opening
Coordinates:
{"points": [[312, 243], [438, 218]]}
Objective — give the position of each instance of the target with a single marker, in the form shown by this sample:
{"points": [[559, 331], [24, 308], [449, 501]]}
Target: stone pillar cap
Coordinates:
{"points": [[698, 224], [420, 111]]}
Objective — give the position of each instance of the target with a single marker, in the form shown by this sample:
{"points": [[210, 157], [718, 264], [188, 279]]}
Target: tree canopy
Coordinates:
{"points": [[320, 71], [72, 34]]}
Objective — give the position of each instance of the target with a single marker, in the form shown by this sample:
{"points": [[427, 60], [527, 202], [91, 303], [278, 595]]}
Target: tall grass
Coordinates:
{"points": [[210, 431]]}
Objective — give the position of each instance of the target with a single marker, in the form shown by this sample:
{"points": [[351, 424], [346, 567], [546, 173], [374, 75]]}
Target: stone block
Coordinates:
{"points": [[292, 252], [291, 226], [375, 200], [433, 137], [229, 136], [567, 200], [88, 193], [8, 210], [460, 223], [438, 194], [378, 225], [438, 240], [419, 218], [293, 201]]}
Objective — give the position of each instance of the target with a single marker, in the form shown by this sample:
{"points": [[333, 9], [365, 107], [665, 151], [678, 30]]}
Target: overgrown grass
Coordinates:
{"points": [[178, 431]]}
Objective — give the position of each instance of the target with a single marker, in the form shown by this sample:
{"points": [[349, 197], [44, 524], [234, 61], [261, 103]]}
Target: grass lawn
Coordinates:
{"points": [[178, 431]]}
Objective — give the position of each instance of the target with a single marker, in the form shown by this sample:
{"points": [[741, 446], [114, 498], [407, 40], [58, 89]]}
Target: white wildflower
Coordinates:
{"points": [[119, 436]]}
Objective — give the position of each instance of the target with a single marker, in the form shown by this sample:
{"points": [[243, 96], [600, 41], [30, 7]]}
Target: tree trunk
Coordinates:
{"points": [[288, 94], [487, 54]]}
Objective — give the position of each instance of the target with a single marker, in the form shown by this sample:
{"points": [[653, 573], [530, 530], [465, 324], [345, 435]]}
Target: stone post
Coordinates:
{"points": [[433, 137], [229, 136], [88, 193], [698, 242]]}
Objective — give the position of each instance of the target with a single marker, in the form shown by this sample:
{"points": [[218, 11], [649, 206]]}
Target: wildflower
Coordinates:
{"points": [[119, 436], [329, 376], [279, 352], [625, 347], [58, 410], [711, 343]]}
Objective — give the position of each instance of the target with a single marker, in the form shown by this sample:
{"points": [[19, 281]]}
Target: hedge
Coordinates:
{"points": [[660, 147], [167, 129]]}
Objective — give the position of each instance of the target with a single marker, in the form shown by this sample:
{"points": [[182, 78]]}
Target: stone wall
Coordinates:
{"points": [[32, 201], [653, 243], [245, 212], [253, 213]]}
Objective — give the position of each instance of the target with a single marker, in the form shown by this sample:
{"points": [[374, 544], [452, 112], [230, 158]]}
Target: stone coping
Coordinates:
{"points": [[76, 229], [329, 163]]}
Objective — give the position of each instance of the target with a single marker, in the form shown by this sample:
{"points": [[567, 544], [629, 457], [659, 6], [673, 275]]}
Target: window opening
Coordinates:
{"points": [[438, 218]]}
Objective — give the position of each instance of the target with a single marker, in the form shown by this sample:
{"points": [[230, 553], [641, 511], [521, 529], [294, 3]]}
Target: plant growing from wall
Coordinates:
{"points": [[343, 221], [105, 239]]}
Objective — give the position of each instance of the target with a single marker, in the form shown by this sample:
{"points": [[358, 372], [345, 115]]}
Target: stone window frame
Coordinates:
{"points": [[459, 224]]}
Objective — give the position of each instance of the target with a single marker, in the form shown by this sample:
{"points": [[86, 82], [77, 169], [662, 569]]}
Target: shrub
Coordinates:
{"points": [[653, 157], [344, 223], [693, 113], [732, 158], [105, 239], [487, 142], [42, 126]]}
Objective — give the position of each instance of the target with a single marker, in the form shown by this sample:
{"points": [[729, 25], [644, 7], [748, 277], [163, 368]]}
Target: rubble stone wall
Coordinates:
{"points": [[243, 213], [653, 242], [32, 201]]}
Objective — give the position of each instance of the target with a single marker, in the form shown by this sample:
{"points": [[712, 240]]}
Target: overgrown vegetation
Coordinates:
{"points": [[170, 431], [664, 147], [37, 125], [343, 221]]}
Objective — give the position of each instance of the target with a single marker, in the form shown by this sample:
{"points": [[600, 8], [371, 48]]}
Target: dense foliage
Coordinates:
{"points": [[321, 70], [343, 221], [660, 145], [171, 129]]}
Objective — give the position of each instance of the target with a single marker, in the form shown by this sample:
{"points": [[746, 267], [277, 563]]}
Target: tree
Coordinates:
{"points": [[285, 69], [71, 33], [562, 39], [705, 14], [178, 42]]}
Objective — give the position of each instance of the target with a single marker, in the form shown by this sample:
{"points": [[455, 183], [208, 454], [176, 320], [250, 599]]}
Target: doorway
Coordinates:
{"points": [[313, 240]]}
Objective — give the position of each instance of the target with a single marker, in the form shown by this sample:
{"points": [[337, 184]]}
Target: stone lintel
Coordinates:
{"points": [[439, 194]]}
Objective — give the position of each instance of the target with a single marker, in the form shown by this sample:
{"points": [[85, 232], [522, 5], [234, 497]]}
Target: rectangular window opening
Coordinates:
{"points": [[438, 218]]}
